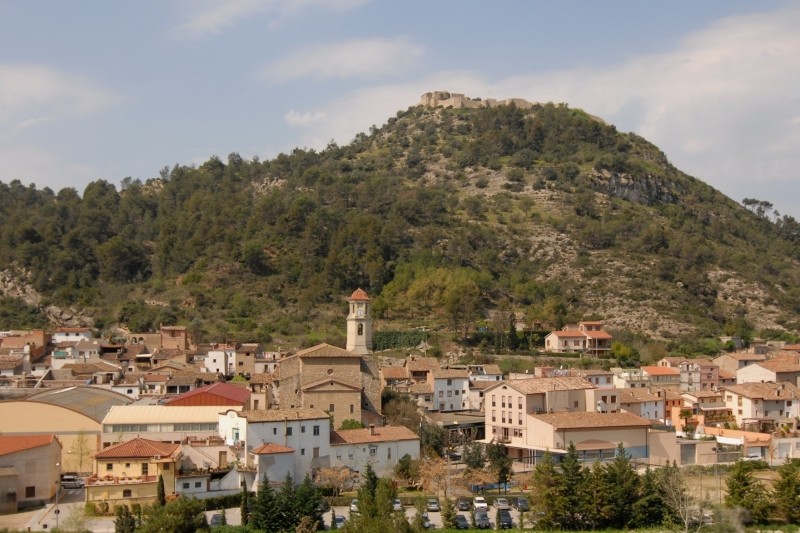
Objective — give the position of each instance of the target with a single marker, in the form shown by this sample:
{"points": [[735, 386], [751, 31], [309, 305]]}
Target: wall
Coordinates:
{"points": [[386, 454], [35, 468]]}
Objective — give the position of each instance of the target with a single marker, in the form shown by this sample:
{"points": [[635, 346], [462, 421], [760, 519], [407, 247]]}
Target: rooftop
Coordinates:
{"points": [[157, 414], [379, 434], [18, 443], [138, 448], [279, 415], [221, 390], [542, 385], [578, 420]]}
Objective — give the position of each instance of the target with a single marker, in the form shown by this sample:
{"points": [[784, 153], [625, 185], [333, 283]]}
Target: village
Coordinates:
{"points": [[107, 420]]}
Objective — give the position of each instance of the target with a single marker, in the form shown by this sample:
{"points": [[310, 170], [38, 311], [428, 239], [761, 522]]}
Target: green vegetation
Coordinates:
{"points": [[442, 215]]}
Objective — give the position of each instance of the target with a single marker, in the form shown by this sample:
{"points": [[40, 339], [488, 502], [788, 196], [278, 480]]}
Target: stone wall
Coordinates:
{"points": [[459, 101]]}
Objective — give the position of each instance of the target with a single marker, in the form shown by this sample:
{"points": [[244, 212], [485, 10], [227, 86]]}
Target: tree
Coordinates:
{"points": [[80, 452], [448, 514], [499, 463], [160, 492], [620, 488], [351, 423], [264, 507], [786, 491], [546, 484], [570, 503], [407, 469], [335, 478], [685, 510], [244, 506], [182, 515], [648, 509], [125, 521], [474, 456], [432, 439], [746, 492]]}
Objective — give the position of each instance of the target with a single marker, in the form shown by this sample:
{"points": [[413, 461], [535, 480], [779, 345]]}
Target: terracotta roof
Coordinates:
{"points": [[421, 388], [91, 368], [743, 356], [394, 372], [637, 396], [421, 364], [542, 385], [261, 377], [18, 443], [221, 390], [324, 350], [765, 391], [591, 322], [270, 448], [568, 333], [592, 420], [492, 369], [580, 372], [278, 415], [450, 374], [359, 295], [661, 371], [780, 365], [673, 361], [726, 374], [481, 384], [380, 434], [704, 394], [73, 330], [137, 448], [598, 334]]}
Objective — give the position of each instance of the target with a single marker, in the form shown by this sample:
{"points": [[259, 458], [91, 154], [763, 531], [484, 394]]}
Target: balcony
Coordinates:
{"points": [[120, 480]]}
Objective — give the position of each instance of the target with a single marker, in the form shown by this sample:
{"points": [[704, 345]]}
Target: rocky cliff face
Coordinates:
{"points": [[14, 284], [645, 190]]}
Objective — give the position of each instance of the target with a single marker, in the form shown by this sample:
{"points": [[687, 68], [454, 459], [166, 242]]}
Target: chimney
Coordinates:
{"points": [[372, 429]]}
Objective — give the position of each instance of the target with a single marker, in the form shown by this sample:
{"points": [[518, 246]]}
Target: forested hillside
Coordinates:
{"points": [[450, 218]]}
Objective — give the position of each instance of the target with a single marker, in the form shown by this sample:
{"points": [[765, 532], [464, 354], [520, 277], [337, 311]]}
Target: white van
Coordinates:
{"points": [[72, 482]]}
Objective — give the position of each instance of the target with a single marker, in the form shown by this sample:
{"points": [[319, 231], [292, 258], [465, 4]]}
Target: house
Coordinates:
{"points": [[662, 376], [171, 424], [595, 435], [380, 447], [222, 394], [219, 359], [422, 394], [507, 403], [305, 431], [602, 379], [30, 470], [419, 367], [261, 392], [755, 403], [484, 372], [450, 389], [710, 405], [643, 402], [698, 374], [776, 370], [394, 377], [71, 335], [210, 466], [244, 359], [476, 393], [587, 337], [630, 378], [732, 362], [128, 472]]}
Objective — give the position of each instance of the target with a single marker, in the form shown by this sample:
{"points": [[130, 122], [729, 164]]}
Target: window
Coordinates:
{"points": [[389, 453], [241, 363], [493, 416], [166, 467], [198, 484], [315, 452], [361, 329], [127, 493], [350, 454], [492, 400], [449, 382], [145, 468], [331, 408], [449, 394], [614, 398], [109, 467], [373, 450], [575, 404], [127, 465], [302, 451], [457, 392], [519, 403], [315, 430], [130, 391], [288, 431], [274, 431], [302, 429], [185, 485], [30, 492], [604, 399], [352, 408]]}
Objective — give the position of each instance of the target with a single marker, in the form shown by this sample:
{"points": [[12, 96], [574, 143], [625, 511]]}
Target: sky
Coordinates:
{"points": [[92, 89]]}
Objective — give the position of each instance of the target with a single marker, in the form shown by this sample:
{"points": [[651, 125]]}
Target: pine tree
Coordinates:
{"points": [[546, 484], [125, 521], [786, 491], [648, 509], [160, 492], [264, 507], [746, 492], [621, 489], [448, 514], [244, 506], [570, 504]]}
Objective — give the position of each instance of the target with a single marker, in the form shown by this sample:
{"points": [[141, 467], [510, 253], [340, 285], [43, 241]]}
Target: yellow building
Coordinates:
{"points": [[129, 471]]}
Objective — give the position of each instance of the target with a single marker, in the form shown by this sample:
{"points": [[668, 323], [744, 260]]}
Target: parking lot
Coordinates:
{"points": [[434, 517]]}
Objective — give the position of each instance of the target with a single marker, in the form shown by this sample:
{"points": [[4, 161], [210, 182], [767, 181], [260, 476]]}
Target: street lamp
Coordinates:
{"points": [[58, 491]]}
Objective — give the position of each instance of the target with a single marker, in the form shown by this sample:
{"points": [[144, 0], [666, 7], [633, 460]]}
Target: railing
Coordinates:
{"points": [[117, 480]]}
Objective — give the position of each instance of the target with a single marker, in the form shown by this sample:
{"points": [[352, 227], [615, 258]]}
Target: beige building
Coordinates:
{"points": [[756, 404], [128, 472], [359, 324], [30, 470], [595, 435]]}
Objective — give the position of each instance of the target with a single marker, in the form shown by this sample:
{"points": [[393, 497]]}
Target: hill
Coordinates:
{"points": [[448, 217]]}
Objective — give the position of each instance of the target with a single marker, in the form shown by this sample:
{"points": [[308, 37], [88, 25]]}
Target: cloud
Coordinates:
{"points": [[359, 58], [31, 95], [214, 17], [295, 118], [723, 103]]}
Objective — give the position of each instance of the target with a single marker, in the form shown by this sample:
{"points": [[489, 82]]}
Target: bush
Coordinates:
{"points": [[90, 509]]}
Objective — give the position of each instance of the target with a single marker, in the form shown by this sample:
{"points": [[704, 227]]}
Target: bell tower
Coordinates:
{"points": [[359, 324]]}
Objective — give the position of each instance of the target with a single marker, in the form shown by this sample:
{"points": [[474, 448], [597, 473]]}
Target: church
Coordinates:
{"points": [[339, 381]]}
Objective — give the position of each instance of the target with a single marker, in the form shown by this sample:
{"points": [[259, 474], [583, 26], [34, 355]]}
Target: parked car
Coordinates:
{"points": [[397, 505], [216, 520], [72, 482], [340, 521], [482, 519], [479, 502], [463, 504], [462, 522], [324, 506], [502, 503], [354, 506], [426, 521], [504, 519], [433, 505], [520, 504]]}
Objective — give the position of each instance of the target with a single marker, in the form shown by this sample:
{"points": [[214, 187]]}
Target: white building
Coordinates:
{"points": [[380, 447], [305, 431], [450, 389], [162, 423], [753, 402], [219, 359], [72, 335]]}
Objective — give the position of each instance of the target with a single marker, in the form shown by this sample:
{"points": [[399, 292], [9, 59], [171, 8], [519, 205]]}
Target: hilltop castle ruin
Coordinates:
{"points": [[459, 101]]}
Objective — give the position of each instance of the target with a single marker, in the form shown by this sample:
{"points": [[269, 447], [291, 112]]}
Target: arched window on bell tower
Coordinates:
{"points": [[360, 329]]}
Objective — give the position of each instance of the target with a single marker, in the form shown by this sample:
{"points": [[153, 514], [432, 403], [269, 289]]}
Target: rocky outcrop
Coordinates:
{"points": [[14, 284], [646, 189]]}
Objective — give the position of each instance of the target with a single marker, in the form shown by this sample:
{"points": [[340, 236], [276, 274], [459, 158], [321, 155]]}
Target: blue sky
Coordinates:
{"points": [[91, 89]]}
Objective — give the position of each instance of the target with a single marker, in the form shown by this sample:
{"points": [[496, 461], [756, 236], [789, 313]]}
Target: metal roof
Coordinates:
{"points": [[164, 414], [93, 402]]}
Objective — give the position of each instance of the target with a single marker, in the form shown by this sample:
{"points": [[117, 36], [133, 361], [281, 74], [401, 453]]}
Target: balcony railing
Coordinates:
{"points": [[120, 480]]}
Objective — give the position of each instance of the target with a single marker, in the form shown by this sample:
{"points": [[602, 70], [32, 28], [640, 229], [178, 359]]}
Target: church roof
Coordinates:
{"points": [[359, 295]]}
